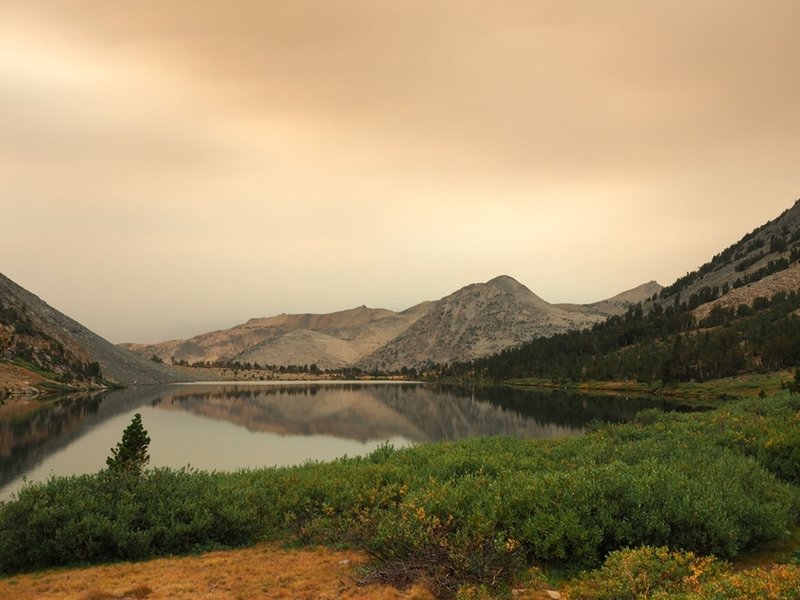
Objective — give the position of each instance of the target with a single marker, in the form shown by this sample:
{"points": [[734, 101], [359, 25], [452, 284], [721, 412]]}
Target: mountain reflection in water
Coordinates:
{"points": [[249, 425]]}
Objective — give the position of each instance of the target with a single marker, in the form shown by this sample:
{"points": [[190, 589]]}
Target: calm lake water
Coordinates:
{"points": [[232, 426]]}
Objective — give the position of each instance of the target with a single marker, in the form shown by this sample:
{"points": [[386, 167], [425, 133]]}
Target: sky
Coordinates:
{"points": [[175, 166]]}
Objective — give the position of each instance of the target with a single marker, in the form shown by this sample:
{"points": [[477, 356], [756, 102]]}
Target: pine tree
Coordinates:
{"points": [[130, 456]]}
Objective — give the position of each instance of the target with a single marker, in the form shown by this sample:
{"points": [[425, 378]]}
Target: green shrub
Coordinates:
{"points": [[643, 573], [778, 582], [96, 518], [648, 573]]}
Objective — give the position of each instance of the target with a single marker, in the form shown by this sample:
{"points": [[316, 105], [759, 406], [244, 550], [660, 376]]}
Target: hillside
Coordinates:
{"points": [[51, 346], [477, 320], [738, 313], [619, 304], [766, 250], [782, 281]]}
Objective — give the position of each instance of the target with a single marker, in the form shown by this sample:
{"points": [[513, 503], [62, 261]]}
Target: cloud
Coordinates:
{"points": [[386, 151]]}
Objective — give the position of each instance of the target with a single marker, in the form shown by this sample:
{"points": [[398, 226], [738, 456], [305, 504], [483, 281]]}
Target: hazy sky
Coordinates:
{"points": [[169, 167]]}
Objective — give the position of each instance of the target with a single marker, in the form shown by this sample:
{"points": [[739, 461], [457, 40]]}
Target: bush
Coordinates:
{"points": [[779, 582], [644, 573], [648, 573], [97, 518]]}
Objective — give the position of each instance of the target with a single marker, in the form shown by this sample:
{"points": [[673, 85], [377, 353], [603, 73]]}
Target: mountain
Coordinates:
{"points": [[331, 340], [37, 343], [482, 319], [738, 313], [476, 320]]}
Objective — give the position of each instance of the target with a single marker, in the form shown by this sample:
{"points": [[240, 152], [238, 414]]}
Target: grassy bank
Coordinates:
{"points": [[475, 512], [729, 388]]}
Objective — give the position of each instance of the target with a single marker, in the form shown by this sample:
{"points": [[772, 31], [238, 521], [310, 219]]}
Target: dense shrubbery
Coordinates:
{"points": [[474, 511], [103, 517], [649, 573], [645, 572]]}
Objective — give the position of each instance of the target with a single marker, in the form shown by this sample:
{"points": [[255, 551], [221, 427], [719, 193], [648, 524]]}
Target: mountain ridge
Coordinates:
{"points": [[492, 316], [478, 320]]}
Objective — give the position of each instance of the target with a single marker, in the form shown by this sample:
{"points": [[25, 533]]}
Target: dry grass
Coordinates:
{"points": [[15, 378], [264, 572]]}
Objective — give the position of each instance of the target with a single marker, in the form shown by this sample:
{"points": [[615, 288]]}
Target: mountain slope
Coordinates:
{"points": [[737, 314], [785, 280], [619, 304], [33, 331], [479, 320], [768, 249]]}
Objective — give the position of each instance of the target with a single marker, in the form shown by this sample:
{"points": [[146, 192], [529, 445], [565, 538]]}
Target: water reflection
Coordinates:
{"points": [[369, 412], [227, 426]]}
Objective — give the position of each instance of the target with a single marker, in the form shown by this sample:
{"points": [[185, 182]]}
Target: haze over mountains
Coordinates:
{"points": [[477, 320], [484, 318]]}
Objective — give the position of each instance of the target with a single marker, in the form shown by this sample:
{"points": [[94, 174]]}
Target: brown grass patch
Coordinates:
{"points": [[266, 572], [142, 591]]}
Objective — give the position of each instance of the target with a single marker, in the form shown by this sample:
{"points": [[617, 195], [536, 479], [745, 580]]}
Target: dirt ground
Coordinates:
{"points": [[13, 377], [265, 572]]}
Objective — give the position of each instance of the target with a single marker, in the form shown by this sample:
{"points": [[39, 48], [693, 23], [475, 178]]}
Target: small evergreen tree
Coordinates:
{"points": [[130, 456]]}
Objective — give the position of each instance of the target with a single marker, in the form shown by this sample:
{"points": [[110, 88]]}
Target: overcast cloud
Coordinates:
{"points": [[171, 167]]}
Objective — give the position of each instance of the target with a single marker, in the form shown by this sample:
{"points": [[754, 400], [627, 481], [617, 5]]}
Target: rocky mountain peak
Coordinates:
{"points": [[508, 284], [478, 320]]}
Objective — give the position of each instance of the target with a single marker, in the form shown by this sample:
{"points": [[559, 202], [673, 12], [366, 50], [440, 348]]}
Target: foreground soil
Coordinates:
{"points": [[267, 572]]}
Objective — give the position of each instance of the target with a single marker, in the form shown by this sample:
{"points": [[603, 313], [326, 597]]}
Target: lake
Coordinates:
{"points": [[229, 426]]}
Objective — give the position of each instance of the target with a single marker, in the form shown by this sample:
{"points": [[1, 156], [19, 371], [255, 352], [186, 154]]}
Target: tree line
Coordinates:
{"points": [[659, 344]]}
